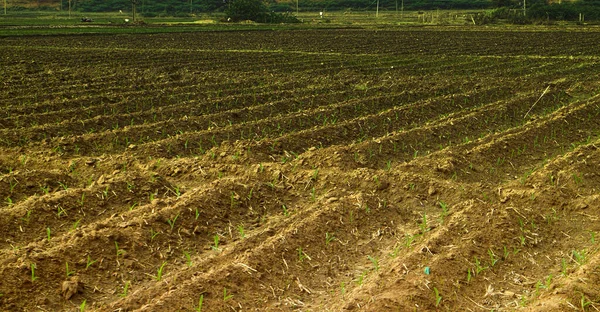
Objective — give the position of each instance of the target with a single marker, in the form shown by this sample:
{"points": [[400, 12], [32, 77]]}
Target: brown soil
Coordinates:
{"points": [[318, 170]]}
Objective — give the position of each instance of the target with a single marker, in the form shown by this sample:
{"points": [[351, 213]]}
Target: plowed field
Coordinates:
{"points": [[310, 170]]}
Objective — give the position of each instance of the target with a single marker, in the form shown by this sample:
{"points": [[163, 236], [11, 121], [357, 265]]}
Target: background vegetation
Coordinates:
{"points": [[538, 11]]}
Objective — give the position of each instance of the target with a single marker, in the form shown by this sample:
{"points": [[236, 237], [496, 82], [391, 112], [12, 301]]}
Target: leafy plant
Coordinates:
{"points": [[125, 289], [69, 272], [226, 296], [493, 259], [423, 224], [119, 250], [200, 301], [171, 222], [90, 262], [215, 245], [82, 306], [285, 210], [374, 262], [438, 298], [188, 258], [33, 277], [328, 238], [240, 229], [159, 272], [75, 224]]}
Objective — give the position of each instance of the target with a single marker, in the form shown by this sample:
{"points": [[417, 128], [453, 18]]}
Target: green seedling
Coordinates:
{"points": [[82, 200], [579, 257], [343, 288], [285, 210], [215, 245], [374, 262], [159, 272], [593, 237], [493, 259], [328, 238], [438, 298], [226, 296], [125, 289], [240, 229], [48, 233], [313, 196], [45, 189], [33, 277], [408, 240], [60, 211], [90, 262], [171, 222], [301, 254], [584, 302], [232, 199], [478, 267], [423, 224], [66, 187], [200, 301], [118, 250], [153, 234], [69, 272], [82, 306], [27, 216], [197, 214], [360, 280], [469, 276], [188, 258], [75, 225]]}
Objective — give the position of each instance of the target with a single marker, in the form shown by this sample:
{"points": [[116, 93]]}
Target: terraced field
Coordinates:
{"points": [[310, 170]]}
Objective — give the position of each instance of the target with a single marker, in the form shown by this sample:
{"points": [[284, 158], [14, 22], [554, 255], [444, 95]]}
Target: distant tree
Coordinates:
{"points": [[242, 10]]}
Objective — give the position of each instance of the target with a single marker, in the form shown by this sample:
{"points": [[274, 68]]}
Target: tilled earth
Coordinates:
{"points": [[312, 170]]}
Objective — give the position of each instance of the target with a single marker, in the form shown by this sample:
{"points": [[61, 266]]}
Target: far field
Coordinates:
{"points": [[423, 169]]}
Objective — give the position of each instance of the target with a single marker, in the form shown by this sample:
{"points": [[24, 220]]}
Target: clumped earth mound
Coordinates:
{"points": [[318, 170]]}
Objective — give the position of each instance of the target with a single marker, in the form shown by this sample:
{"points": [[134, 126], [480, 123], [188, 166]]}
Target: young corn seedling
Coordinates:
{"points": [[188, 258], [438, 297], [240, 229], [215, 245], [125, 289], [200, 301], [493, 259], [171, 222], [48, 233], [328, 238], [82, 306], [69, 272], [423, 224], [60, 211], [33, 277], [118, 250], [75, 225], [90, 262], [301, 254], [159, 272], [285, 210], [226, 296], [375, 263], [153, 234], [469, 276], [478, 267]]}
